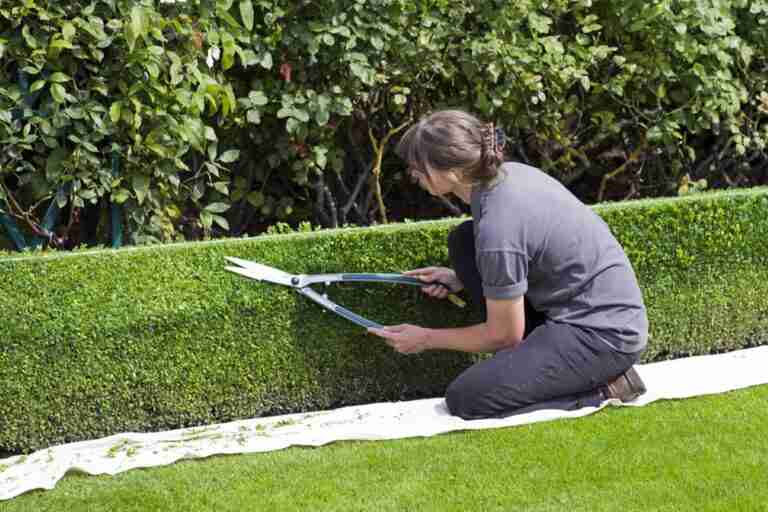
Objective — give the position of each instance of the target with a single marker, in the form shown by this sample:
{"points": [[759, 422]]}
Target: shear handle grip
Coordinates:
{"points": [[385, 278]]}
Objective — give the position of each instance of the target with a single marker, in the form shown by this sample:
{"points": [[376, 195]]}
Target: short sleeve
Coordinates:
{"points": [[504, 273]]}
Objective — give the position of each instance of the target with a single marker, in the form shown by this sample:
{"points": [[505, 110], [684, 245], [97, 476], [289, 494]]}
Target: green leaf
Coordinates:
{"points": [[246, 12], [116, 111], [88, 194], [153, 70], [229, 156], [301, 114], [138, 20], [141, 187], [59, 77], [138, 26], [266, 60], [228, 100], [361, 71], [39, 84], [222, 186], [231, 21], [59, 93], [90, 147], [321, 158], [157, 149], [292, 125], [221, 221], [212, 168], [248, 57], [217, 207], [322, 116], [255, 198], [258, 98], [28, 37], [213, 150], [68, 30], [253, 116], [120, 196], [58, 44], [228, 50], [210, 134]]}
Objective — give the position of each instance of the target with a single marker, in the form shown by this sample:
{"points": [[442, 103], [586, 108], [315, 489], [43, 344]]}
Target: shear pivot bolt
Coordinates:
{"points": [[295, 281]]}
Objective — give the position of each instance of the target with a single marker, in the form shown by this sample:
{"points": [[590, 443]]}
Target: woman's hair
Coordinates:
{"points": [[453, 140]]}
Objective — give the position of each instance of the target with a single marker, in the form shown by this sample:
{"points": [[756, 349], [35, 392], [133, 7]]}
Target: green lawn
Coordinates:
{"points": [[702, 454]]}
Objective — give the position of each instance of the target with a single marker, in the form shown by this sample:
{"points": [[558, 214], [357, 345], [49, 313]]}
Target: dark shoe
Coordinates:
{"points": [[626, 387]]}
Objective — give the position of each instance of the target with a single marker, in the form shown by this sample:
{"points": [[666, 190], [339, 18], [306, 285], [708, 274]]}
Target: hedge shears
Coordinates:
{"points": [[302, 283]]}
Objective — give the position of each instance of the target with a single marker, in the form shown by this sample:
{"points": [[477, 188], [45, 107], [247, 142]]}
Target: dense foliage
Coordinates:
{"points": [[211, 117], [95, 343]]}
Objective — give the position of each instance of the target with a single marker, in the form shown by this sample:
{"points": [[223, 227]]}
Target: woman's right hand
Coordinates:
{"points": [[442, 275]]}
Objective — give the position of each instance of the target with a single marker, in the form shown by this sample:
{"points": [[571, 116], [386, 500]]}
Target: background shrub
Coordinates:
{"points": [[212, 117]]}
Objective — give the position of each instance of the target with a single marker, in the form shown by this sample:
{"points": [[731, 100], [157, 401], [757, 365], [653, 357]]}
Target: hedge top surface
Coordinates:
{"points": [[608, 206]]}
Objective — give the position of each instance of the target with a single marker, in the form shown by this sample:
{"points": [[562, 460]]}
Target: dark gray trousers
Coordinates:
{"points": [[557, 366]]}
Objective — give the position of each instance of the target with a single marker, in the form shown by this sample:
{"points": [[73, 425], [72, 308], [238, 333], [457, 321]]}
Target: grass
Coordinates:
{"points": [[703, 454]]}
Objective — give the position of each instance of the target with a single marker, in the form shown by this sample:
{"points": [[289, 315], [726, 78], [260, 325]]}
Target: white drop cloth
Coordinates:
{"points": [[679, 378]]}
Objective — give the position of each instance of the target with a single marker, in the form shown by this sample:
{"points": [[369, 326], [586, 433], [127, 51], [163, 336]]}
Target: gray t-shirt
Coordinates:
{"points": [[534, 238]]}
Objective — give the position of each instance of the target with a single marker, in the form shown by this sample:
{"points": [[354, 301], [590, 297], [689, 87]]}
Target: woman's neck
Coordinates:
{"points": [[464, 192]]}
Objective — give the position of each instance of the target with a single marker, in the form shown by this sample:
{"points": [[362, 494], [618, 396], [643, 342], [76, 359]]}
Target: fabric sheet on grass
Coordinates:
{"points": [[681, 378]]}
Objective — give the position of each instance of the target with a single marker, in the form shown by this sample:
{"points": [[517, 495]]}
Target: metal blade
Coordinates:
{"points": [[260, 272]]}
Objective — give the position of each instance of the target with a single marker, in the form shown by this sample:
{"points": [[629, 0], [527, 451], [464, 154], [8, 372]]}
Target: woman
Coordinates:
{"points": [[564, 315]]}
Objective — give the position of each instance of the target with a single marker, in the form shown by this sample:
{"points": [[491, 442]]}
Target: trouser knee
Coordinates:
{"points": [[461, 401]]}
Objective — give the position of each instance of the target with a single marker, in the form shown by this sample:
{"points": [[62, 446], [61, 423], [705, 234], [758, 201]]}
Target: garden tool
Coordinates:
{"points": [[302, 284]]}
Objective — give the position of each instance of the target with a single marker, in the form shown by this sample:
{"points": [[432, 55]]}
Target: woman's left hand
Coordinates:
{"points": [[404, 338]]}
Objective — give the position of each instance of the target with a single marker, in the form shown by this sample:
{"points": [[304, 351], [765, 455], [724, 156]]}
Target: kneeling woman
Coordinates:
{"points": [[564, 315]]}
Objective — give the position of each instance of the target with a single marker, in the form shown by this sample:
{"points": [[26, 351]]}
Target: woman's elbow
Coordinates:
{"points": [[505, 339]]}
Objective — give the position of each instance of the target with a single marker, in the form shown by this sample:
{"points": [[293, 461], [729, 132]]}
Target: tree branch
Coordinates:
{"points": [[633, 157], [378, 148]]}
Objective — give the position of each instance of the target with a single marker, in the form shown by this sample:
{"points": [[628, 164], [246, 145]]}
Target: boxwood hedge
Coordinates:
{"points": [[139, 339]]}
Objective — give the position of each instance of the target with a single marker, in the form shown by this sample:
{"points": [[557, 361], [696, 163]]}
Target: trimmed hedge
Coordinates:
{"points": [[94, 343]]}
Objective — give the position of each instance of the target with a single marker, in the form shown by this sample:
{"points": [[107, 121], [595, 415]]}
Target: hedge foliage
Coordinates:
{"points": [[95, 343], [230, 115]]}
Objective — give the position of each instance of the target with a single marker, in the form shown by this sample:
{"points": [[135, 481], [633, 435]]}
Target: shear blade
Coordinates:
{"points": [[260, 272]]}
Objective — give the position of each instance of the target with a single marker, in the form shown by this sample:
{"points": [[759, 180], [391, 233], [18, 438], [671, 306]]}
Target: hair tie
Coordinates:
{"points": [[489, 139]]}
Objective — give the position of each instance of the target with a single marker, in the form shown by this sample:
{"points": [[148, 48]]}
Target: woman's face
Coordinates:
{"points": [[436, 183]]}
